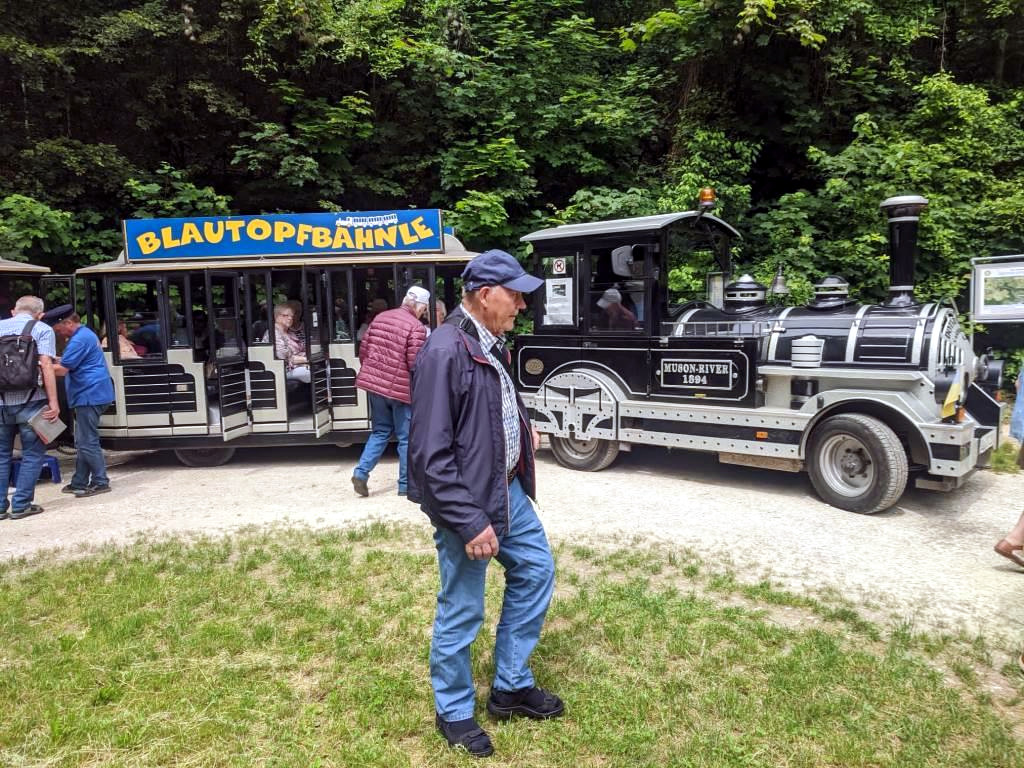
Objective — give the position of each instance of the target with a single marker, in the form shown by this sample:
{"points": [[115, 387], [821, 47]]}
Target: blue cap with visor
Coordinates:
{"points": [[496, 267], [55, 315]]}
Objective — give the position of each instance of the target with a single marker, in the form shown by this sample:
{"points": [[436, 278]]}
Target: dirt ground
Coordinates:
{"points": [[927, 561]]}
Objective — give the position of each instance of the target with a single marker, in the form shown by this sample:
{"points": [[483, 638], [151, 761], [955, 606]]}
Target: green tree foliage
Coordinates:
{"points": [[511, 115], [955, 146]]}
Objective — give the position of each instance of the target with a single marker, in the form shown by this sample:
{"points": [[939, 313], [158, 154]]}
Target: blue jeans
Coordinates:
{"points": [[388, 417], [529, 582], [90, 468], [14, 419]]}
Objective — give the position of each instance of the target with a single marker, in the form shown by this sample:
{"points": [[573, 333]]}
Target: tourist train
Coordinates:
{"points": [[866, 398], [863, 397]]}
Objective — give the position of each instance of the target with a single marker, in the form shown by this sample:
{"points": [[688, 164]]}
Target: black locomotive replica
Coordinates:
{"points": [[863, 397]]}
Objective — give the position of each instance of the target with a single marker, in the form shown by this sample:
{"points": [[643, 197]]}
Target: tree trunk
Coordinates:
{"points": [[1000, 64], [24, 106]]}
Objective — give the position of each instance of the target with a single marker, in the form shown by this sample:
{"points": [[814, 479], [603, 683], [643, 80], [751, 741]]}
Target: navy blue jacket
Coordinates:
{"points": [[456, 444]]}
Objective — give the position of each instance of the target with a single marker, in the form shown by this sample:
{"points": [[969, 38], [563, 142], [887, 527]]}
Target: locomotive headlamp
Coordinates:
{"points": [[706, 198], [988, 372]]}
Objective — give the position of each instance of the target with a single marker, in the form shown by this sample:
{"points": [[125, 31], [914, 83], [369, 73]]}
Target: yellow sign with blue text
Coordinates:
{"points": [[287, 234]]}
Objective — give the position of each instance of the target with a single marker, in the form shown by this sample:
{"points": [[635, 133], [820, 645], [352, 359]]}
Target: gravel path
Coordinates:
{"points": [[928, 560]]}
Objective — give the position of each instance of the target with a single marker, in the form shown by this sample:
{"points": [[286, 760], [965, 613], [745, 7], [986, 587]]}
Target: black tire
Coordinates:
{"points": [[204, 457], [586, 455], [857, 463]]}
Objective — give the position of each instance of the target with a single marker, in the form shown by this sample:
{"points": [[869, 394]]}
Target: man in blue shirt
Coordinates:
{"points": [[18, 406], [90, 392]]}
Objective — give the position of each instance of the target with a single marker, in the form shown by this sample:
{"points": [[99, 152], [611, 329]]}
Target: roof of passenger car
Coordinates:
{"points": [[7, 265], [616, 226], [454, 252]]}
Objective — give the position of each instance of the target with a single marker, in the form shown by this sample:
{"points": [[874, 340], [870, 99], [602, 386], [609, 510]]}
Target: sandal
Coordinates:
{"points": [[1006, 549]]}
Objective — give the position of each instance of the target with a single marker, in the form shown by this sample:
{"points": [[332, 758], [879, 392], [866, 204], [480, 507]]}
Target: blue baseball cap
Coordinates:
{"points": [[496, 267]]}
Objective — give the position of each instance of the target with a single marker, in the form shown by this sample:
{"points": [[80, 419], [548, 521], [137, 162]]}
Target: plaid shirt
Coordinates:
{"points": [[509, 406], [46, 344]]}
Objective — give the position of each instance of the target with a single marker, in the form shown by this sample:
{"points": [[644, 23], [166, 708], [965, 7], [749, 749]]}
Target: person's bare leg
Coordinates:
{"points": [[1013, 544], [1016, 535]]}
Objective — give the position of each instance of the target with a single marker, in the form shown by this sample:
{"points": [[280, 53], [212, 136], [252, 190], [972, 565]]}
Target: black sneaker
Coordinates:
{"points": [[4, 515], [360, 485], [533, 702], [92, 490], [467, 735], [31, 509], [69, 488]]}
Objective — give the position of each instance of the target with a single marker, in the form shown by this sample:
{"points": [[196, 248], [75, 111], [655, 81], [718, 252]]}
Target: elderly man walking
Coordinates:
{"points": [[471, 470], [386, 355], [90, 392], [21, 403]]}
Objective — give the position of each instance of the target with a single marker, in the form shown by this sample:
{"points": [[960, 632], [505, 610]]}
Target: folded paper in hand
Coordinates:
{"points": [[46, 430]]}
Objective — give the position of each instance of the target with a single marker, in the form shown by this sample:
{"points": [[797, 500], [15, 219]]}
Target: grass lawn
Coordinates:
{"points": [[1004, 458], [299, 648]]}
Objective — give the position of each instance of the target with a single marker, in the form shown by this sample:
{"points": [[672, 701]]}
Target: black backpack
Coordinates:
{"points": [[19, 367]]}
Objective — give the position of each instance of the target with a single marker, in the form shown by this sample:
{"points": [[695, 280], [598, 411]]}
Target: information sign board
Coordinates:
{"points": [[997, 290]]}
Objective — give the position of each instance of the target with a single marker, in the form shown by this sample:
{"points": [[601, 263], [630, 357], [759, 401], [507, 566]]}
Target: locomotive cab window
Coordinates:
{"points": [[556, 302], [616, 298]]}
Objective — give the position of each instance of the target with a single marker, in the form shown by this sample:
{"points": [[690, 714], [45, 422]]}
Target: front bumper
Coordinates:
{"points": [[956, 450]]}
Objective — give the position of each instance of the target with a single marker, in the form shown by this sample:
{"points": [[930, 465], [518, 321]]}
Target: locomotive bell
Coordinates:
{"points": [[903, 213], [744, 295], [779, 287]]}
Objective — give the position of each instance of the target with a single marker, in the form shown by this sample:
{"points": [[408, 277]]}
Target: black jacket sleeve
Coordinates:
{"points": [[437, 406]]}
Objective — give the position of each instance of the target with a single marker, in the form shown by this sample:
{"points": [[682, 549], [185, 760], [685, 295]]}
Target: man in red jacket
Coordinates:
{"points": [[386, 356]]}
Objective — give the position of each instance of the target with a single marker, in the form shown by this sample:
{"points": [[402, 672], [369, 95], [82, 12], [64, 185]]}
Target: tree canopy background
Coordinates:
{"points": [[510, 115]]}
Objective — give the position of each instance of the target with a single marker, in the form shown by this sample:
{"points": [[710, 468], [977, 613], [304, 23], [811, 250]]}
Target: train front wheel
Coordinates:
{"points": [[587, 455], [857, 463]]}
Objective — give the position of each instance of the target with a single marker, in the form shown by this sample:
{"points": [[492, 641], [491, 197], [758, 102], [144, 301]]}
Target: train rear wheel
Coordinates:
{"points": [[204, 457], [587, 455], [857, 463]]}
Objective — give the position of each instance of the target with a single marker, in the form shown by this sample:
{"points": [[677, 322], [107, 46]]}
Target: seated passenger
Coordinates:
{"points": [[125, 348], [614, 316], [298, 327], [440, 313], [148, 336], [376, 307], [287, 346]]}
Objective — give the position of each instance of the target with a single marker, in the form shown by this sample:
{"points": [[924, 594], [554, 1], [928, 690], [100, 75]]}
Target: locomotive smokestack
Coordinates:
{"points": [[903, 213]]}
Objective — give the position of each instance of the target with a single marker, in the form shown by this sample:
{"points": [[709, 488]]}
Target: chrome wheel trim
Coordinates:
{"points": [[846, 465]]}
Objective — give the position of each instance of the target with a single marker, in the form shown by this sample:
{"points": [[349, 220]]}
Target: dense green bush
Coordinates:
{"points": [[513, 115]]}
